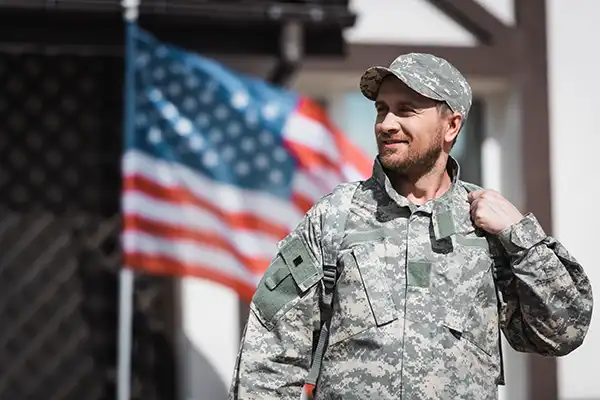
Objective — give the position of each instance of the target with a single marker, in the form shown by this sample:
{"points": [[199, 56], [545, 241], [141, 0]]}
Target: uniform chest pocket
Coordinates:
{"points": [[456, 281], [363, 298]]}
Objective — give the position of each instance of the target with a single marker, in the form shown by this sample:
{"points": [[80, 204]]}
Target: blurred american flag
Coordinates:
{"points": [[221, 167]]}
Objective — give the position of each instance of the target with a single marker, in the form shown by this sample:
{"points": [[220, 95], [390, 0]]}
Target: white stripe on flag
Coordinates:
{"points": [[251, 243], [306, 186], [310, 133], [228, 198], [188, 252], [328, 178], [351, 173]]}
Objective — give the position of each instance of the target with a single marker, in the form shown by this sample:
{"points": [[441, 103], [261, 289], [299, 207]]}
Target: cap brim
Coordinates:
{"points": [[371, 79], [370, 83]]}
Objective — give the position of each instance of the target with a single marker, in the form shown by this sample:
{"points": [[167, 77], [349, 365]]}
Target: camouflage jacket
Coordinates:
{"points": [[419, 305]]}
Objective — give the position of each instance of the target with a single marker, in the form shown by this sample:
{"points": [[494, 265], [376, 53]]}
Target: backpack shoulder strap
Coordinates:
{"points": [[333, 233], [471, 187], [334, 223], [495, 246]]}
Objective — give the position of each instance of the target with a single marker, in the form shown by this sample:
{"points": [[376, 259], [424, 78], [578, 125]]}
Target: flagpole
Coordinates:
{"points": [[126, 277]]}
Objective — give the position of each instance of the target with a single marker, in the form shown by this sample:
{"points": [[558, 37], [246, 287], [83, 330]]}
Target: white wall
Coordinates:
{"points": [[574, 82], [208, 339], [404, 21]]}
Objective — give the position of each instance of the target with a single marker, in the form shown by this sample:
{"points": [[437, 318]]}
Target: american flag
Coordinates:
{"points": [[221, 167]]}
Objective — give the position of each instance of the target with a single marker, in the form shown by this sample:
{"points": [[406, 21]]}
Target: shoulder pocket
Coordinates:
{"points": [[301, 263], [291, 273]]}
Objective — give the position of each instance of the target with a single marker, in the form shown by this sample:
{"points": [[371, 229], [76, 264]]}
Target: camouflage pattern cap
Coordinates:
{"points": [[426, 74]]}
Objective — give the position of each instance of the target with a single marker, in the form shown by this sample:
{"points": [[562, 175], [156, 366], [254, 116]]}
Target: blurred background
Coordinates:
{"points": [[532, 134]]}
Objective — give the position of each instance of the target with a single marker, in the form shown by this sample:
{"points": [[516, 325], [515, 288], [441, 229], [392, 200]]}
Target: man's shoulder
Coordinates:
{"points": [[334, 199]]}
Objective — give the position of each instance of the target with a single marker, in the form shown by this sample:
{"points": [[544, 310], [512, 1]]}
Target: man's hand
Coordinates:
{"points": [[492, 212]]}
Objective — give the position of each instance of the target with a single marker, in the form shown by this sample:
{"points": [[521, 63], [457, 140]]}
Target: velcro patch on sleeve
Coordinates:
{"points": [[301, 262]]}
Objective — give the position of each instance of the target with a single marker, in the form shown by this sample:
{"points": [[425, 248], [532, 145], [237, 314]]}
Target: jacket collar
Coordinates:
{"points": [[449, 212]]}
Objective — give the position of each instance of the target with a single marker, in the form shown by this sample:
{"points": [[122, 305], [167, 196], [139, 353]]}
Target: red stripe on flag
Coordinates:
{"points": [[352, 154], [163, 265], [302, 202], [183, 196], [134, 222]]}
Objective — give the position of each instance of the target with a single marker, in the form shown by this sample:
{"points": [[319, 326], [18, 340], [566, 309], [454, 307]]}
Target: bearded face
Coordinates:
{"points": [[410, 130], [411, 154]]}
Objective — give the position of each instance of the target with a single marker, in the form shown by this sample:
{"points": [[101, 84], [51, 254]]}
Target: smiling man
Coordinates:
{"points": [[400, 286]]}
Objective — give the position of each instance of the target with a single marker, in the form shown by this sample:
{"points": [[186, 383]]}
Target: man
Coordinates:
{"points": [[428, 269]]}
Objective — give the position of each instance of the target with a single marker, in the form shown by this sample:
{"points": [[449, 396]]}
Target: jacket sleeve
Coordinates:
{"points": [[546, 298], [275, 351]]}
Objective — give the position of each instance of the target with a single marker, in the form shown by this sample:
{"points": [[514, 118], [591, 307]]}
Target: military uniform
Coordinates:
{"points": [[420, 299]]}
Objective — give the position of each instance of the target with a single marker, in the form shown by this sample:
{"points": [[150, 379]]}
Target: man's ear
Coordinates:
{"points": [[454, 124]]}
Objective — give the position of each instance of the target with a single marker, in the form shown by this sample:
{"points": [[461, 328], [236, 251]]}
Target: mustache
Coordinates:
{"points": [[393, 137]]}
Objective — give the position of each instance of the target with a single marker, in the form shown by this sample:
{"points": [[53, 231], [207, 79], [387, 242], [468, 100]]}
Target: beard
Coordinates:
{"points": [[413, 162]]}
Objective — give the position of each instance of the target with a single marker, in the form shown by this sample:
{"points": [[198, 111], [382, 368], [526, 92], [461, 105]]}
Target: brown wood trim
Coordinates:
{"points": [[533, 83], [476, 61], [535, 146], [476, 19]]}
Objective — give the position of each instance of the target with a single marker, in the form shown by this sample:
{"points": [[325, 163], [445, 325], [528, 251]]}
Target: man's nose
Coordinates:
{"points": [[390, 124]]}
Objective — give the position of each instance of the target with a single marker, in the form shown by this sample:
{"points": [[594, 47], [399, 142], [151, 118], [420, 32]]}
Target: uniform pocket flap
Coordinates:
{"points": [[277, 276], [459, 282], [301, 263], [276, 293], [454, 322], [473, 241], [378, 292]]}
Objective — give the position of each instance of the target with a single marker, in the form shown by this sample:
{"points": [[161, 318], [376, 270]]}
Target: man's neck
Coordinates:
{"points": [[424, 187]]}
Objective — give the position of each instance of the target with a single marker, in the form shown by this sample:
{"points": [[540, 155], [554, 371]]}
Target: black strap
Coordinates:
{"points": [[329, 280], [334, 228], [499, 272]]}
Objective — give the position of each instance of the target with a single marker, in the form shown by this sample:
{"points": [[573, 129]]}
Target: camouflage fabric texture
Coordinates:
{"points": [[426, 74], [419, 305]]}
